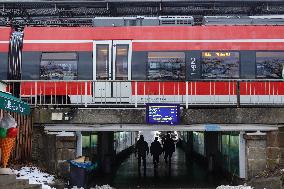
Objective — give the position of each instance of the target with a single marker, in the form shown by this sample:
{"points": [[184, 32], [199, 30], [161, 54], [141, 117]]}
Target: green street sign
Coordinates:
{"points": [[10, 103]]}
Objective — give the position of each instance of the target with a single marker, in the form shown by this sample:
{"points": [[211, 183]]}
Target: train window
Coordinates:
{"points": [[102, 63], [220, 64], [58, 66], [121, 62], [269, 64], [166, 66]]}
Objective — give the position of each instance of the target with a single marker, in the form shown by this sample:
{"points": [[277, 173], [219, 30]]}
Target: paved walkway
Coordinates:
{"points": [[181, 174]]}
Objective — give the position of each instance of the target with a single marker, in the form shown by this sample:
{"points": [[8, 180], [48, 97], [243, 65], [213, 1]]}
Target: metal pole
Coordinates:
{"points": [[135, 88], [86, 93], [186, 95], [35, 93], [238, 94]]}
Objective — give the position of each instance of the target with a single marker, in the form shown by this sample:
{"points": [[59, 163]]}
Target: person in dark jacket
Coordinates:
{"points": [[156, 150], [169, 148], [142, 150]]}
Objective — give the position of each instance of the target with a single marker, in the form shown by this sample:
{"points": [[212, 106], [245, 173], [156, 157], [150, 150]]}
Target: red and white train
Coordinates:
{"points": [[151, 63]]}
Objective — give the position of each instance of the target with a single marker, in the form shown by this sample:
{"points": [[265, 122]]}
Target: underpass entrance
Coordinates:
{"points": [[186, 170], [206, 155]]}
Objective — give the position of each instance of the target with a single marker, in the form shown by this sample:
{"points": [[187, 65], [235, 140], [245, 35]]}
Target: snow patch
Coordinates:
{"points": [[103, 187], [35, 176], [97, 187], [234, 187]]}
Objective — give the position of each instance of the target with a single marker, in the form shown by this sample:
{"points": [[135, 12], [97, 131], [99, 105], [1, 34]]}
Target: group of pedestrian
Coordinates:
{"points": [[156, 149]]}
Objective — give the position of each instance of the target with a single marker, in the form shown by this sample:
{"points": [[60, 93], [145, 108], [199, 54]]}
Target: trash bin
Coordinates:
{"points": [[79, 172]]}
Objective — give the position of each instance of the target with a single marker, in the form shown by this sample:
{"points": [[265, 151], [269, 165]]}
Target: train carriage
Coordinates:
{"points": [[153, 63]]}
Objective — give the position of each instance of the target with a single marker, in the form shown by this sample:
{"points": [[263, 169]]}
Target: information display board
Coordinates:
{"points": [[160, 113]]}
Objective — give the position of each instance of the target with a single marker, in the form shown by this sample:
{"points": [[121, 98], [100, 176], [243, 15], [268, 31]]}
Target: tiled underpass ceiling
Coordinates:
{"points": [[72, 13]]}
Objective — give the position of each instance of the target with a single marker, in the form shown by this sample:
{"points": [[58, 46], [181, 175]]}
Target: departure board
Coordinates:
{"points": [[160, 113]]}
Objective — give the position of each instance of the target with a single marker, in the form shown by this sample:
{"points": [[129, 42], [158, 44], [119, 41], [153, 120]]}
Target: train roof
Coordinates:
{"points": [[83, 13], [244, 20]]}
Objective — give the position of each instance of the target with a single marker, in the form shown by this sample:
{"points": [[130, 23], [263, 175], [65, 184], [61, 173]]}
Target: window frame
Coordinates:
{"points": [[77, 60], [230, 51], [147, 65], [256, 51]]}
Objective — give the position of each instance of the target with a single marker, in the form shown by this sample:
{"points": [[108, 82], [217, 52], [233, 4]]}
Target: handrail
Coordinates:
{"points": [[189, 80], [136, 93]]}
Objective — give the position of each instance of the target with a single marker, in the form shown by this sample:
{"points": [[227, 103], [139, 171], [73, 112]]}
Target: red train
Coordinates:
{"points": [[160, 58]]}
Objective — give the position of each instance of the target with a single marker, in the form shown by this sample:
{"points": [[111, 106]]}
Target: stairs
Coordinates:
{"points": [[10, 182]]}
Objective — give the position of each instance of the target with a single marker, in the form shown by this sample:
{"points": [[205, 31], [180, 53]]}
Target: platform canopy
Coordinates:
{"points": [[10, 103]]}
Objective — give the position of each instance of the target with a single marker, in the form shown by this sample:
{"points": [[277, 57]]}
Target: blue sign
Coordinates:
{"points": [[162, 113]]}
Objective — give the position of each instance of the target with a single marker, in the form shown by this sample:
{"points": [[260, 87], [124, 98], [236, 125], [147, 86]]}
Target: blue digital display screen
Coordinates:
{"points": [[162, 113]]}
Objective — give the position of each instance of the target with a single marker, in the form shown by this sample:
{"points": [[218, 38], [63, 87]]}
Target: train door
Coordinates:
{"points": [[112, 62]]}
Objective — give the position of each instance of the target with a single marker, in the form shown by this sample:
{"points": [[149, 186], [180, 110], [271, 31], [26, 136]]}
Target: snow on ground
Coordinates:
{"points": [[234, 187], [97, 187], [103, 187], [35, 176]]}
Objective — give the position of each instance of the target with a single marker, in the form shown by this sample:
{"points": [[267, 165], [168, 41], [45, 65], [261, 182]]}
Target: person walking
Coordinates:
{"points": [[156, 150], [142, 150], [169, 148]]}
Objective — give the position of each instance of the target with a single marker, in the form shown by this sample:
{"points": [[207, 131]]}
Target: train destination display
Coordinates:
{"points": [[162, 113]]}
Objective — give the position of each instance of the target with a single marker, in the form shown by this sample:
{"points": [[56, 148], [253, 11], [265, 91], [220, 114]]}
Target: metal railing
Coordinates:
{"points": [[107, 93]]}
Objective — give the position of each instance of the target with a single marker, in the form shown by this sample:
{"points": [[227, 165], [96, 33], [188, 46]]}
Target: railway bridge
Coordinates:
{"points": [[238, 139], [96, 74]]}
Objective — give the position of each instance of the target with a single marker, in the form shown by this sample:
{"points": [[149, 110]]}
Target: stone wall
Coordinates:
{"points": [[275, 149], [65, 150], [188, 116], [281, 145], [37, 145], [255, 153], [51, 151]]}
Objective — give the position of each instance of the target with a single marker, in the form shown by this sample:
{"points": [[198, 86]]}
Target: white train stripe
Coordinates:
{"points": [[58, 41], [212, 41]]}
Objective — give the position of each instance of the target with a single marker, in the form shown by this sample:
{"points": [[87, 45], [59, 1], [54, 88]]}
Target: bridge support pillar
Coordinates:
{"points": [[256, 153], [106, 151], [211, 149]]}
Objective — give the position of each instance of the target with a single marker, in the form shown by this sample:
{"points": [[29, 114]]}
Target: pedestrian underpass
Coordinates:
{"points": [[183, 172], [206, 155], [201, 160]]}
